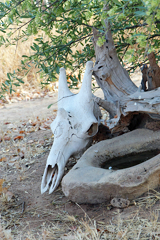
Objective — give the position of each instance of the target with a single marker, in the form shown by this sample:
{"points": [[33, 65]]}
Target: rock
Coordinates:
{"points": [[120, 202], [87, 182]]}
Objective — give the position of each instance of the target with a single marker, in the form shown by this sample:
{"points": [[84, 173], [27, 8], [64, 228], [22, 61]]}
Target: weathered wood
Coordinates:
{"points": [[109, 73], [153, 73], [144, 70], [121, 95]]}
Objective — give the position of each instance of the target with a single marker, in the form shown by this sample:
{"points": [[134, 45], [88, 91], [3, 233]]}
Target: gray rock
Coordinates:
{"points": [[87, 182]]}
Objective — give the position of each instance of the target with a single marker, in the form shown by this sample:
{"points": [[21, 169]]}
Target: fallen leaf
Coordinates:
{"points": [[7, 123], [18, 94], [7, 194], [7, 138], [34, 123], [21, 132], [8, 131], [3, 159], [18, 137]]}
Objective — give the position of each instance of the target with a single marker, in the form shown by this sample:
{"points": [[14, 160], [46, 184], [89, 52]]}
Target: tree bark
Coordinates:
{"points": [[122, 98], [153, 73]]}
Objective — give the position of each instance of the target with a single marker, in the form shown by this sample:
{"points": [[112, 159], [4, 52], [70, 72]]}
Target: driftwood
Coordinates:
{"points": [[122, 98]]}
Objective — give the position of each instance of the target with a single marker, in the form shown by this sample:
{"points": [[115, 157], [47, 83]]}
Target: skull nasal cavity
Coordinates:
{"points": [[93, 129]]}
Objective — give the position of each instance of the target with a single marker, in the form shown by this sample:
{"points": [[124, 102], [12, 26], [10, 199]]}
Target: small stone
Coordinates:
{"points": [[120, 202], [96, 151], [11, 126]]}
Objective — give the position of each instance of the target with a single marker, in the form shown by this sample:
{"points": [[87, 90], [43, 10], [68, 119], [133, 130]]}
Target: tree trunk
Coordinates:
{"points": [[153, 73], [122, 99]]}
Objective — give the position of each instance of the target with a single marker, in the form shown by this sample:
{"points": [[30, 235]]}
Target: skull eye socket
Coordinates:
{"points": [[93, 129]]}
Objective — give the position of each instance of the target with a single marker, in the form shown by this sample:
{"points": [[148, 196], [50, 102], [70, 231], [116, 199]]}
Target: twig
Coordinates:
{"points": [[23, 207]]}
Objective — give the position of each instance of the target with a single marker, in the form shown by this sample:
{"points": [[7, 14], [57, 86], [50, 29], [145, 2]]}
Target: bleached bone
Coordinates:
{"points": [[73, 127]]}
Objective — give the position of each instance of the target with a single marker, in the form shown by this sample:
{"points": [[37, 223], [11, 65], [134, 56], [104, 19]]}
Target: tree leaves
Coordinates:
{"points": [[67, 23]]}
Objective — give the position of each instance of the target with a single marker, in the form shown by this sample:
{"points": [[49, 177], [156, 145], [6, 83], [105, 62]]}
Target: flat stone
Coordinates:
{"points": [[87, 182]]}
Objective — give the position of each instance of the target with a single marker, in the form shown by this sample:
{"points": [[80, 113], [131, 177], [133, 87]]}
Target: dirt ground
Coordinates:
{"points": [[25, 140]]}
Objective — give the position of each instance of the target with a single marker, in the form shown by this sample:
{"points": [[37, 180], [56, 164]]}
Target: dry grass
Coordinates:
{"points": [[71, 228], [10, 61]]}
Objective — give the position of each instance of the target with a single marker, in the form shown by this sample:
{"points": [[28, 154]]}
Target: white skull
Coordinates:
{"points": [[73, 127]]}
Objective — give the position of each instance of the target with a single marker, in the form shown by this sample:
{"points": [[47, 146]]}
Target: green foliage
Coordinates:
{"points": [[135, 26], [136, 29]]}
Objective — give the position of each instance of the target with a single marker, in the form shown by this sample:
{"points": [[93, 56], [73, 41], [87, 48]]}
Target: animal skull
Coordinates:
{"points": [[73, 127]]}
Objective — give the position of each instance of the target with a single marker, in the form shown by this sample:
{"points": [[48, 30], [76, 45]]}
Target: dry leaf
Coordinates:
{"points": [[18, 137], [18, 94], [8, 195], [7, 138], [21, 132], [34, 123], [3, 159]]}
